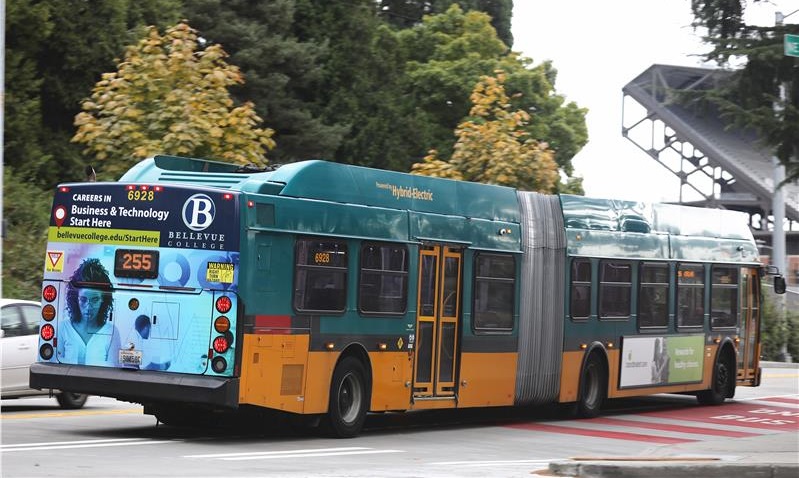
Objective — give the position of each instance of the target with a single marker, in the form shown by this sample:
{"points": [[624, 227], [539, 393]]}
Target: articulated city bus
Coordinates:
{"points": [[327, 290]]}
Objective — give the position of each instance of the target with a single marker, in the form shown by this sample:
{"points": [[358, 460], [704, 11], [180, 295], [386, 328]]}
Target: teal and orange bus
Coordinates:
{"points": [[195, 287]]}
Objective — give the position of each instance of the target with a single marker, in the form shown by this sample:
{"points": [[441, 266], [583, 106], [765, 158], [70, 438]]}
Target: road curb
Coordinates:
{"points": [[671, 470], [779, 364]]}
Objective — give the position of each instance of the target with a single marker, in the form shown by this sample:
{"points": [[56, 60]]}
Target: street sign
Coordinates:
{"points": [[791, 45]]}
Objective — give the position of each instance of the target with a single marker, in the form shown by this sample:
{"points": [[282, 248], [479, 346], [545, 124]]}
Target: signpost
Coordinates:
{"points": [[791, 45]]}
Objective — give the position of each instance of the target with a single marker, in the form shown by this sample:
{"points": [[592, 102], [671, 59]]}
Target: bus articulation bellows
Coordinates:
{"points": [[329, 290]]}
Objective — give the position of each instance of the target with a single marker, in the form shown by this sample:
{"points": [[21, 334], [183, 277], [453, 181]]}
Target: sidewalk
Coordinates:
{"points": [[753, 457]]}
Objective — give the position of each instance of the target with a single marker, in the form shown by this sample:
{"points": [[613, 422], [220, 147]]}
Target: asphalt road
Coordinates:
{"points": [[111, 438]]}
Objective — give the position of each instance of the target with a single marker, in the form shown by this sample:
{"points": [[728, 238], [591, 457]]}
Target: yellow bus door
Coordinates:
{"points": [[437, 321], [749, 345]]}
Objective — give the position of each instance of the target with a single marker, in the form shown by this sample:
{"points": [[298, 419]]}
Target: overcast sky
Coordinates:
{"points": [[599, 46]]}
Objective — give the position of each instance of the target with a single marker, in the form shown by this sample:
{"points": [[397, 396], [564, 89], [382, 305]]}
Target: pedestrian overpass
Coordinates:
{"points": [[717, 165]]}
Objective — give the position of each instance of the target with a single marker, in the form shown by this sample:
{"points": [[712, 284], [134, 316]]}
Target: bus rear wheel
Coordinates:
{"points": [[723, 382], [349, 399], [593, 387], [71, 401]]}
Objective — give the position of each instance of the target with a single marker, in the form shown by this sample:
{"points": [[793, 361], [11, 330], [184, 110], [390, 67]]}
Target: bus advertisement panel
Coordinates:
{"points": [[662, 360], [133, 274]]}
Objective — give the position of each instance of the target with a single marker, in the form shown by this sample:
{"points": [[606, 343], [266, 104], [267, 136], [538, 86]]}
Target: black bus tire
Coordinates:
{"points": [[722, 384], [71, 401], [593, 387], [349, 399]]}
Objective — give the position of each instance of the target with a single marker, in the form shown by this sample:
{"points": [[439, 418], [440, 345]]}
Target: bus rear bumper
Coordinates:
{"points": [[141, 386]]}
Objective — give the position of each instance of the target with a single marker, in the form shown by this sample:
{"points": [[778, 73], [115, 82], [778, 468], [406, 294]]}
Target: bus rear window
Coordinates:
{"points": [[320, 283]]}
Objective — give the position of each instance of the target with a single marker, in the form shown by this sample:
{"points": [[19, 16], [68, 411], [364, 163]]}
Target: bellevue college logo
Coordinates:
{"points": [[198, 212]]}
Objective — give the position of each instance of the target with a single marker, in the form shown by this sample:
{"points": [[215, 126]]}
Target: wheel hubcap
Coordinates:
{"points": [[349, 398]]}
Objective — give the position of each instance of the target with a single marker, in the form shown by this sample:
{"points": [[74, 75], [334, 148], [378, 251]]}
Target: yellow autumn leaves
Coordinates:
{"points": [[169, 97], [492, 146]]}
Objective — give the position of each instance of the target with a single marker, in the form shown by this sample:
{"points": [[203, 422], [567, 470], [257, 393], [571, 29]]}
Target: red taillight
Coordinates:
{"points": [[224, 304], [48, 332], [130, 187], [49, 293], [220, 344], [227, 196], [64, 189], [48, 312], [222, 324]]}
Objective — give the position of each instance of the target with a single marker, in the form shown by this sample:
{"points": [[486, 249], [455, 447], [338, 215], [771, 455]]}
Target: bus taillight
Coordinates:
{"points": [[48, 312], [218, 364], [47, 332], [49, 293], [221, 344], [46, 351], [222, 324], [224, 304]]}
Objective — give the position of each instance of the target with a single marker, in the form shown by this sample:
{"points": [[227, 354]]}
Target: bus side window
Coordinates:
{"points": [[494, 286], [690, 295], [320, 283], [615, 289], [724, 297], [384, 279], [580, 290], [653, 293]]}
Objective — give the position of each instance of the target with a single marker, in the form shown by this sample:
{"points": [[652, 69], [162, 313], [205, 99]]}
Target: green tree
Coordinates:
{"points": [[776, 331], [55, 51], [752, 97], [26, 211], [493, 147], [283, 69], [448, 54], [409, 13], [360, 89], [168, 97]]}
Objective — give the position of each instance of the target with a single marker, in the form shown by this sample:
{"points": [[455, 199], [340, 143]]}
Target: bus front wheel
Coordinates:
{"points": [[723, 382], [593, 387], [348, 399]]}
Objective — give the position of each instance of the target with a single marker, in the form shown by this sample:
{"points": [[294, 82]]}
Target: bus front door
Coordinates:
{"points": [[749, 345], [437, 322]]}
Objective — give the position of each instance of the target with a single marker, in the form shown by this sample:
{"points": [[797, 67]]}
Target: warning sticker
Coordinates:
{"points": [[219, 272], [54, 261]]}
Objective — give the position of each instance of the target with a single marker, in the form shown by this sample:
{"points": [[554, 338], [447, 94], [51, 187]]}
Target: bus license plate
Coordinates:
{"points": [[130, 357]]}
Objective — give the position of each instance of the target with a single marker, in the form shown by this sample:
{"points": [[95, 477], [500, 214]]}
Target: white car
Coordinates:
{"points": [[20, 343]]}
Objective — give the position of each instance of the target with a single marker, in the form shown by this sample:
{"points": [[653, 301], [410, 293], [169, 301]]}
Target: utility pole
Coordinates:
{"points": [[778, 207]]}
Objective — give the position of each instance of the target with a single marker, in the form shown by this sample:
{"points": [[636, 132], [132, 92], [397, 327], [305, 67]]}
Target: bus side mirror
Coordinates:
{"points": [[779, 284]]}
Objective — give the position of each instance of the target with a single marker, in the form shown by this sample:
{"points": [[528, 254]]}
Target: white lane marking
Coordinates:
{"points": [[81, 444], [543, 462], [303, 453]]}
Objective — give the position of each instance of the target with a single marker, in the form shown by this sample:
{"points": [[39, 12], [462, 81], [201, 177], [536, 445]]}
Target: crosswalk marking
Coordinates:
{"points": [[735, 419]]}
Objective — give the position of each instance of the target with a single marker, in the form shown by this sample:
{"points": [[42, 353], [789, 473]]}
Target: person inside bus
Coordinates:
{"points": [[89, 337], [152, 351]]}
